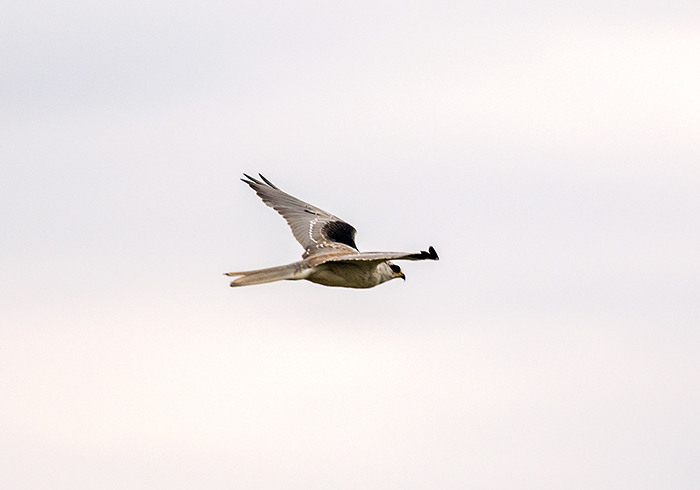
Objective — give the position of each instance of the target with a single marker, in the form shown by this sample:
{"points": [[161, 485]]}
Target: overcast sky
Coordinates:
{"points": [[549, 151]]}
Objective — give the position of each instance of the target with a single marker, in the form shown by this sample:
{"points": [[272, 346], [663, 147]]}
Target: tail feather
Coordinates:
{"points": [[272, 274]]}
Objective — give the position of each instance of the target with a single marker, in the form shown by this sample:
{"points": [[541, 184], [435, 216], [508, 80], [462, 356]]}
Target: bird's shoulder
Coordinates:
{"points": [[326, 251]]}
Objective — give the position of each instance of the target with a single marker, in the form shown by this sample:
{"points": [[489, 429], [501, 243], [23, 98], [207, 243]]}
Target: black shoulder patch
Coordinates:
{"points": [[341, 232]]}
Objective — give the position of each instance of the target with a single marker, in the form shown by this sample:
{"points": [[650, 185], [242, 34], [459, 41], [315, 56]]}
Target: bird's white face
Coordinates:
{"points": [[395, 270]]}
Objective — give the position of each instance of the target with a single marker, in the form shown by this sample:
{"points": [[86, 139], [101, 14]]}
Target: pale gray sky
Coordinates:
{"points": [[549, 152]]}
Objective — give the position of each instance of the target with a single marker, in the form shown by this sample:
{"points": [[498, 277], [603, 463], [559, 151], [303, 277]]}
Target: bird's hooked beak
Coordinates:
{"points": [[402, 275]]}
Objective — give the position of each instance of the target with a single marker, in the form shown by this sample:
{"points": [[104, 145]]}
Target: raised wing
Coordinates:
{"points": [[314, 228], [431, 254]]}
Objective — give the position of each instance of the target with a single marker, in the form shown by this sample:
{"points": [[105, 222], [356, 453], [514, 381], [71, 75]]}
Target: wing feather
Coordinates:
{"points": [[431, 254], [312, 227]]}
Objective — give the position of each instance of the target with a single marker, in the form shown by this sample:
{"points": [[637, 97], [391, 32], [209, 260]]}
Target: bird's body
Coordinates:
{"points": [[331, 257], [356, 274]]}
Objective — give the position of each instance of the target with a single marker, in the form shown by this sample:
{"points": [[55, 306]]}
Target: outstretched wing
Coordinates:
{"points": [[313, 227], [431, 254]]}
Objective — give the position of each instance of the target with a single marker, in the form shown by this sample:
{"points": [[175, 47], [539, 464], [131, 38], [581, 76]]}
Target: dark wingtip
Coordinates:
{"points": [[250, 180], [432, 254], [267, 181], [253, 181]]}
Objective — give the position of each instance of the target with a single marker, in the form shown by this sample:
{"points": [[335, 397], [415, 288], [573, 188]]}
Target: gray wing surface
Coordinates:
{"points": [[312, 227], [431, 254]]}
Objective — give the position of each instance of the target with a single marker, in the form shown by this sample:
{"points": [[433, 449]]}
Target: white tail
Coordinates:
{"points": [[261, 276]]}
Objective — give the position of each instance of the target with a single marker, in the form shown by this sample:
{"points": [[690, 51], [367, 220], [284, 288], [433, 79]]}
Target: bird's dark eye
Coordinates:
{"points": [[395, 268]]}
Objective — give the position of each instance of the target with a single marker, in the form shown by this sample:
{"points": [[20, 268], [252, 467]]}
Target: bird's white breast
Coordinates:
{"points": [[349, 274]]}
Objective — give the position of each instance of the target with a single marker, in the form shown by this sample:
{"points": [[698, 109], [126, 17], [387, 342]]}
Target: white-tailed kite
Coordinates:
{"points": [[331, 257]]}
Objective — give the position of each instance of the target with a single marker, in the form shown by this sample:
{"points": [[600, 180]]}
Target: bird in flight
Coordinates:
{"points": [[330, 257]]}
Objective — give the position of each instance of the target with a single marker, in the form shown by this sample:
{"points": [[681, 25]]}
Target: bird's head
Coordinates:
{"points": [[396, 271]]}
